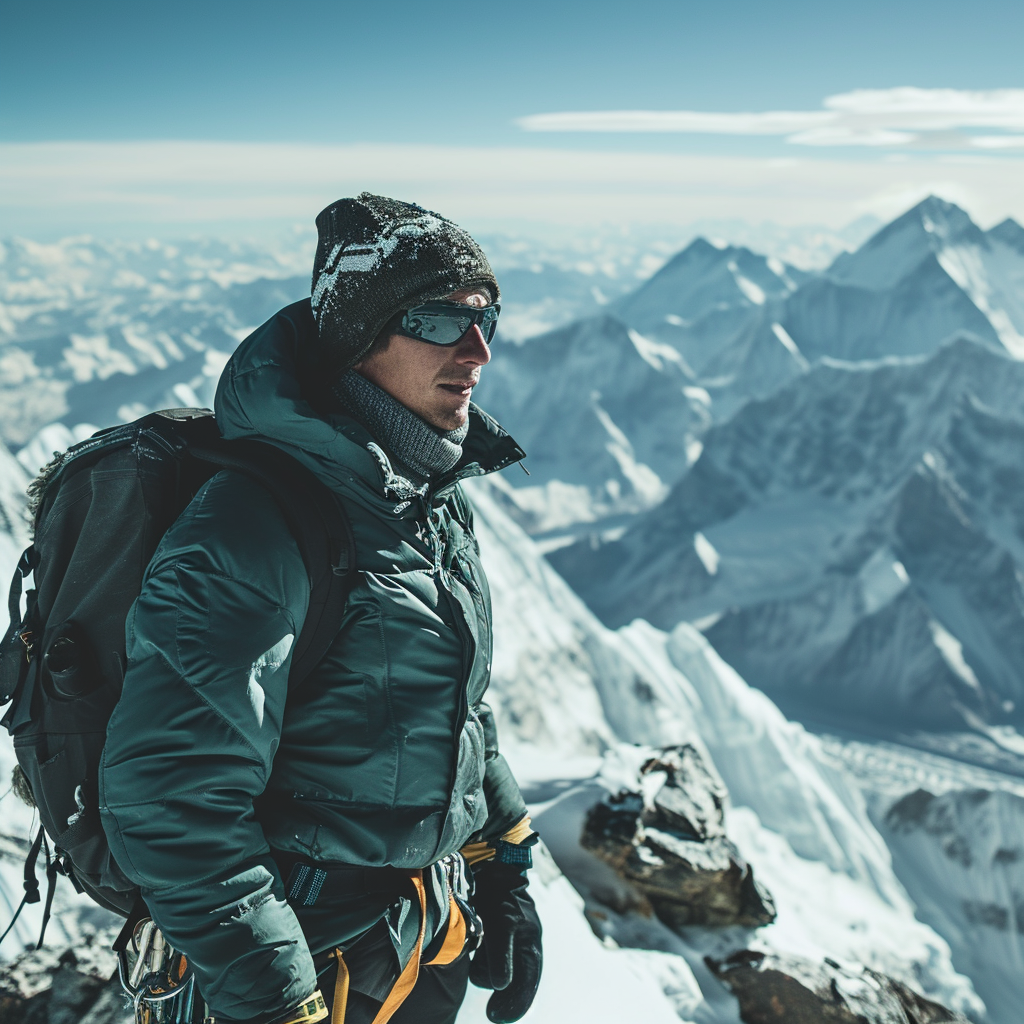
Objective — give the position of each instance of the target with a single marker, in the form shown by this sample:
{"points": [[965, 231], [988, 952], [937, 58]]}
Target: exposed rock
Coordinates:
{"points": [[773, 989], [73, 986], [667, 840]]}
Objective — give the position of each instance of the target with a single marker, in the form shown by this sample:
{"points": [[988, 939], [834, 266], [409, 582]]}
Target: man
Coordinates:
{"points": [[290, 842]]}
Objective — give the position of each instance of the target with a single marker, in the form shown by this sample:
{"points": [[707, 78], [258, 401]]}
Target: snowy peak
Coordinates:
{"points": [[932, 271], [704, 278], [1010, 233], [930, 227], [605, 413], [849, 320]]}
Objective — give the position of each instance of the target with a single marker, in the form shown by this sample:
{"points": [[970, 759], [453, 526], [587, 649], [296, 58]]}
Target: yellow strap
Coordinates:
{"points": [[517, 833], [407, 979], [340, 990], [309, 1011], [476, 853], [455, 937]]}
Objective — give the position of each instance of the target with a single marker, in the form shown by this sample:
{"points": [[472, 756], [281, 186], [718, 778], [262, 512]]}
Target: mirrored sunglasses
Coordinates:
{"points": [[445, 323]]}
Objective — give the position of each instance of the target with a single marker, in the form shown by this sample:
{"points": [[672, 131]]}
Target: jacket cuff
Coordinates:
{"points": [[513, 848]]}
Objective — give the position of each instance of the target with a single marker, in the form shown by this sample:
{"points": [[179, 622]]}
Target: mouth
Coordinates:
{"points": [[461, 388]]}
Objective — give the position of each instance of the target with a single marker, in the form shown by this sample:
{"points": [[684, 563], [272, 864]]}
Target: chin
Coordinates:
{"points": [[450, 419]]}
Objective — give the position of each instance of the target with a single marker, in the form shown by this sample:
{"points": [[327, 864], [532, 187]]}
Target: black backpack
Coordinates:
{"points": [[99, 510]]}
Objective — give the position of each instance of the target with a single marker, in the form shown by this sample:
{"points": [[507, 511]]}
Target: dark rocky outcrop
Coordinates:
{"points": [[76, 986], [773, 989], [666, 839]]}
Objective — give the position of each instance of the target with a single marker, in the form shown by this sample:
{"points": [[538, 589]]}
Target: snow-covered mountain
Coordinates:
{"points": [[831, 551], [706, 284], [955, 836], [746, 326], [92, 331], [862, 515], [609, 446], [986, 266], [611, 408]]}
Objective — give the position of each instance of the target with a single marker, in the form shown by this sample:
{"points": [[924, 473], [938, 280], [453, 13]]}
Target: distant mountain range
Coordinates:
{"points": [[742, 326], [851, 536]]}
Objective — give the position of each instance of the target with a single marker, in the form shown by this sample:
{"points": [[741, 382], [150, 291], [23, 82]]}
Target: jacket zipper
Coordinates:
{"points": [[461, 627]]}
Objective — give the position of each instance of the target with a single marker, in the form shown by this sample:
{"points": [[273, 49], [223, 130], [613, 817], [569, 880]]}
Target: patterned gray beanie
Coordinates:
{"points": [[376, 257]]}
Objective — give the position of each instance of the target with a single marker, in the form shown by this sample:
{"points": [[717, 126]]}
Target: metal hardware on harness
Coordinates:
{"points": [[160, 982]]}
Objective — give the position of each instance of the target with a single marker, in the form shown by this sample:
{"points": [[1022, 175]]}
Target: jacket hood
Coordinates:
{"points": [[259, 396]]}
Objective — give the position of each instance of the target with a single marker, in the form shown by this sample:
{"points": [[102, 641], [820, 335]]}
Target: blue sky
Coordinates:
{"points": [[168, 112]]}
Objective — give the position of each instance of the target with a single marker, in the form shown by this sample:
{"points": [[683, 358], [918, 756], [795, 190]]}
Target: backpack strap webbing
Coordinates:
{"points": [[321, 529]]}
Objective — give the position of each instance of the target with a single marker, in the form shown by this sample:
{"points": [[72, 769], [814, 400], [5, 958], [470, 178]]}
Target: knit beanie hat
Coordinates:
{"points": [[376, 257]]}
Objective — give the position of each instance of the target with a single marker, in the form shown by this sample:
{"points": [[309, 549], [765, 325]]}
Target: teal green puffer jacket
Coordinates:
{"points": [[386, 755]]}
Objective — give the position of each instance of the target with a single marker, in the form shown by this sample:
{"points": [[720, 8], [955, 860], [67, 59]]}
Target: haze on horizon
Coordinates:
{"points": [[228, 119]]}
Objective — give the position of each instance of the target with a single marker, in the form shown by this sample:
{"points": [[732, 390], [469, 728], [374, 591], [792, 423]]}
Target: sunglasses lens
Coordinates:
{"points": [[435, 328], [490, 324], [447, 326]]}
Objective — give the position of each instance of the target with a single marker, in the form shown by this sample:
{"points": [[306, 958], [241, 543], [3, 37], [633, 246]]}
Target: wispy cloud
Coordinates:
{"points": [[178, 187], [934, 118]]}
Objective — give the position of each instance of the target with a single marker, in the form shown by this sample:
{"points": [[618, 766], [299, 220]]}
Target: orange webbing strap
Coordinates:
{"points": [[474, 853], [454, 939], [517, 833], [411, 971], [340, 990]]}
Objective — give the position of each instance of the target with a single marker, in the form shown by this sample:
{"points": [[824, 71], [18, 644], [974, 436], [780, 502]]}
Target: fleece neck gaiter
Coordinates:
{"points": [[418, 450]]}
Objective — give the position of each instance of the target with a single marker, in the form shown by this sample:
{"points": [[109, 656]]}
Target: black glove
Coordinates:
{"points": [[509, 958]]}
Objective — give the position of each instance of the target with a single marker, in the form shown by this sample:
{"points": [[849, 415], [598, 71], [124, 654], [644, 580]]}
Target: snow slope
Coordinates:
{"points": [[13, 527], [955, 835], [793, 814]]}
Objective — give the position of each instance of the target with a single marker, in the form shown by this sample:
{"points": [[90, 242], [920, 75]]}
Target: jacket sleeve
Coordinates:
{"points": [[505, 804], [191, 744]]}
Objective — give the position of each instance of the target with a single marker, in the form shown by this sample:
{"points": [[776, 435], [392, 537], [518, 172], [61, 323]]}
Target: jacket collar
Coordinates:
{"points": [[259, 396]]}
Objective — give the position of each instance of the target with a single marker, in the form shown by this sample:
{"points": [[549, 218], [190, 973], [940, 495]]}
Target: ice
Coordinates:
{"points": [[706, 553], [790, 345], [953, 652], [752, 292], [654, 353]]}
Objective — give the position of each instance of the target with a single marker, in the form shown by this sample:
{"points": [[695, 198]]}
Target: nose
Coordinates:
{"points": [[472, 350]]}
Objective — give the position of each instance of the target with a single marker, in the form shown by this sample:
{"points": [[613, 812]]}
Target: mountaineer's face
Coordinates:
{"points": [[434, 381]]}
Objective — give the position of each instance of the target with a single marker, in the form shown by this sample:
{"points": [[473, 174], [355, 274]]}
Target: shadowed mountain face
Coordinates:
{"points": [[853, 545]]}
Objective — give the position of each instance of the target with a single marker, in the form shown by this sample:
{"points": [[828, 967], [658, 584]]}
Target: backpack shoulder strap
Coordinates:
{"points": [[321, 528]]}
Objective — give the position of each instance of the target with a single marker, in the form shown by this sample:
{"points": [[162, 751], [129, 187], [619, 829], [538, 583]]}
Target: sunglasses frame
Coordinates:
{"points": [[414, 320]]}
